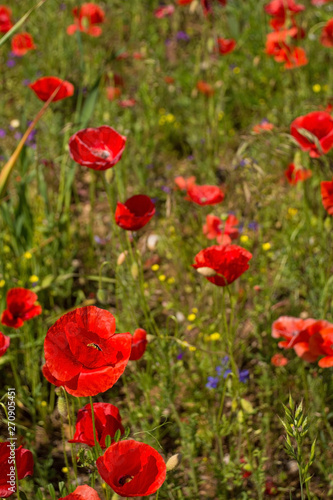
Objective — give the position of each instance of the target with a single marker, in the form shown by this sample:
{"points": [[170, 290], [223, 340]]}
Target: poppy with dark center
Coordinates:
{"points": [[326, 188], [295, 175], [205, 195], [83, 354], [107, 422], [44, 88], [24, 464], [222, 265], [314, 132], [326, 37], [21, 306], [225, 45], [139, 344], [82, 493], [135, 213], [224, 232], [86, 19], [132, 469], [4, 343], [5, 19], [97, 148], [22, 43]]}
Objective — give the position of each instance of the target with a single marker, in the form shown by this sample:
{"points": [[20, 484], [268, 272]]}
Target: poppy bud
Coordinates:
{"points": [[206, 271], [102, 296], [61, 405], [134, 270], [173, 461], [121, 258]]}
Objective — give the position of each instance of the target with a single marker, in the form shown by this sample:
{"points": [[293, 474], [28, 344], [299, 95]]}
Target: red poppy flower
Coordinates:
{"points": [[279, 360], [82, 493], [326, 188], [205, 195], [295, 175], [169, 80], [113, 93], [278, 10], [270, 488], [320, 127], [83, 353], [207, 6], [225, 45], [4, 343], [139, 344], [222, 265], [325, 346], [263, 126], [166, 10], [288, 328], [135, 213], [308, 343], [97, 148], [326, 37], [127, 103], [5, 19], [9, 456], [44, 88], [132, 469], [205, 88], [86, 18], [184, 183], [224, 232], [22, 43], [107, 422], [20, 307], [184, 2], [293, 57]]}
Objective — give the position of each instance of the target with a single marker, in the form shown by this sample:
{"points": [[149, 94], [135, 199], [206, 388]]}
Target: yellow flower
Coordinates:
{"points": [[292, 211], [2, 283], [192, 348], [33, 279], [169, 118], [191, 317], [155, 267], [64, 470], [194, 310], [244, 238], [214, 336], [266, 246], [236, 70], [171, 281], [316, 88], [162, 277], [189, 327], [27, 255], [43, 404]]}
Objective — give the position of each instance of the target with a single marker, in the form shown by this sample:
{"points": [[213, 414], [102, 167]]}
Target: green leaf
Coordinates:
{"points": [[90, 103]]}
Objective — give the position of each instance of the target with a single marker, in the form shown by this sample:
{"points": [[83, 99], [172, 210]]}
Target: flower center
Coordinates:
{"points": [[95, 346], [125, 479], [102, 153]]}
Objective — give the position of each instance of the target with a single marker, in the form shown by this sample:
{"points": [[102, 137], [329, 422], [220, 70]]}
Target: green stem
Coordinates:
{"points": [[71, 434], [97, 445]]}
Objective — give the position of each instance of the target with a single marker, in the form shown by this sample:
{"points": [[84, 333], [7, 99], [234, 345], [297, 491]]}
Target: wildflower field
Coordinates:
{"points": [[166, 270]]}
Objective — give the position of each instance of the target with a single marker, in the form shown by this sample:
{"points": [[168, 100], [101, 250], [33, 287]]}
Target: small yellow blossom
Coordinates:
{"points": [[161, 121], [2, 283], [194, 310], [6, 249], [64, 470], [292, 212], [27, 255], [220, 116], [214, 336], [162, 277], [236, 70], [33, 279], [191, 317], [172, 229], [244, 238], [316, 88], [171, 281], [169, 118], [9, 265], [189, 327], [155, 267], [43, 404], [266, 246], [192, 348]]}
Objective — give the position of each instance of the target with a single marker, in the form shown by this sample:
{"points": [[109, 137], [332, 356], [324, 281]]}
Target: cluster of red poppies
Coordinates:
{"points": [[310, 338]]}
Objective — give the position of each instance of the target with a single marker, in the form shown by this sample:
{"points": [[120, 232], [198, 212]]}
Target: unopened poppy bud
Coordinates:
{"points": [[121, 258], [102, 296], [206, 271], [134, 270], [109, 175], [173, 461], [61, 405]]}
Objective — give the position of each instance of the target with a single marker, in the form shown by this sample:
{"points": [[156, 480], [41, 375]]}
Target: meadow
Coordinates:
{"points": [[166, 203]]}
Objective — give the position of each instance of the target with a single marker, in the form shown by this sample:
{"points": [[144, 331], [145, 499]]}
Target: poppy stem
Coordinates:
{"points": [[71, 435], [97, 446]]}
